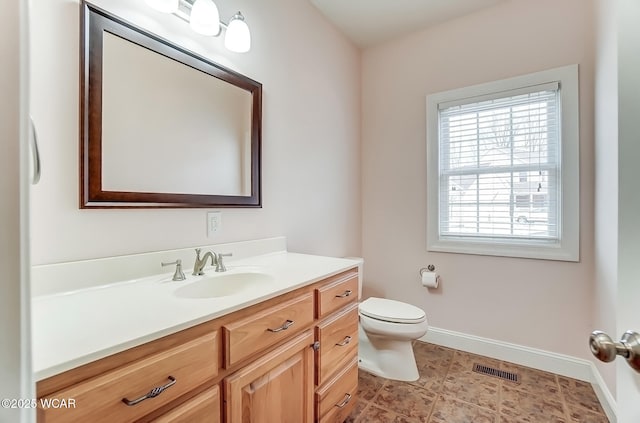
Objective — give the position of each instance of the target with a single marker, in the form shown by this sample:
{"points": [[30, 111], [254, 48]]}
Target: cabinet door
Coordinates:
{"points": [[275, 388], [335, 400], [338, 337], [204, 407]]}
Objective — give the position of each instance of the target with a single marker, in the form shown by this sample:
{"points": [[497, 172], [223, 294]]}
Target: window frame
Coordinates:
{"points": [[568, 247]]}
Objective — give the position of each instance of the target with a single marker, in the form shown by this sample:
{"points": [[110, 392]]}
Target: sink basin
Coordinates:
{"points": [[224, 285]]}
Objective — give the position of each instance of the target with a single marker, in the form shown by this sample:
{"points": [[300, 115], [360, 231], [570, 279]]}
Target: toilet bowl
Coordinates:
{"points": [[385, 333], [387, 329]]}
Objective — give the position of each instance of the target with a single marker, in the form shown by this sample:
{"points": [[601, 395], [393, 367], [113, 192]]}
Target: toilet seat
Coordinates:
{"points": [[391, 311]]}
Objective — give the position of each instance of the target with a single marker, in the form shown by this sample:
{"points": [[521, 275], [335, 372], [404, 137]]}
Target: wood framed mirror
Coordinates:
{"points": [[162, 126]]}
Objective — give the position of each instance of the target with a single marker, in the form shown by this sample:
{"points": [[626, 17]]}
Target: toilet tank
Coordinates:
{"points": [[360, 261]]}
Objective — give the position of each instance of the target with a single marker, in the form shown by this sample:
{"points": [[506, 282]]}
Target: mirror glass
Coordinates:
{"points": [[163, 127], [176, 118]]}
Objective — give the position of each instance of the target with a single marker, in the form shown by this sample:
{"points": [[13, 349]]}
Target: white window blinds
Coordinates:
{"points": [[499, 166]]}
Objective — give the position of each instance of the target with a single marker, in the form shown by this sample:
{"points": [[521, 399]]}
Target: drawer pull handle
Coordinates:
{"points": [[285, 326], [345, 401], [346, 341], [151, 394], [344, 294]]}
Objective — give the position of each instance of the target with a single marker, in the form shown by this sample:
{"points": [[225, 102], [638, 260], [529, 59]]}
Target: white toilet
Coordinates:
{"points": [[387, 329]]}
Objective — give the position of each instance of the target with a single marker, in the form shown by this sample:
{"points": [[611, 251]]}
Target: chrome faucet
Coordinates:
{"points": [[178, 275], [200, 263], [216, 259], [220, 267]]}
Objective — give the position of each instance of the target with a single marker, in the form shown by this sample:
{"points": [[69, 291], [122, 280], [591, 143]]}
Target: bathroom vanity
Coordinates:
{"points": [[284, 350]]}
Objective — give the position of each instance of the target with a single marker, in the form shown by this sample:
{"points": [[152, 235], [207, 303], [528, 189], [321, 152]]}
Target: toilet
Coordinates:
{"points": [[386, 331]]}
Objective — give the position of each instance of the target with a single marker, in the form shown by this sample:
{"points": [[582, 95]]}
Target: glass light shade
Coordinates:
{"points": [[238, 36], [205, 18], [165, 6]]}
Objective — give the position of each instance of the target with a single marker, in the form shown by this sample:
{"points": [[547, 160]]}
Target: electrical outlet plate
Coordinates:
{"points": [[214, 222]]}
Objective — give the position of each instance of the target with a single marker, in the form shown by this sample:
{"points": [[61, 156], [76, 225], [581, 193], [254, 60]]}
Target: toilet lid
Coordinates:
{"points": [[391, 311]]}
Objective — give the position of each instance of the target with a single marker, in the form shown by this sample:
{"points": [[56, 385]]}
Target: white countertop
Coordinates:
{"points": [[74, 328]]}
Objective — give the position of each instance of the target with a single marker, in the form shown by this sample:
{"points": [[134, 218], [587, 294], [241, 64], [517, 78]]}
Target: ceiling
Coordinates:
{"points": [[370, 22]]}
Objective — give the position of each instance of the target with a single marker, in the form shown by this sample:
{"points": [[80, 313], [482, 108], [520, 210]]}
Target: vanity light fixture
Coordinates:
{"points": [[238, 36], [204, 18]]}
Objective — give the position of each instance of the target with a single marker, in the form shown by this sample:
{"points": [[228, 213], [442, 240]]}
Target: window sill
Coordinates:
{"points": [[557, 252]]}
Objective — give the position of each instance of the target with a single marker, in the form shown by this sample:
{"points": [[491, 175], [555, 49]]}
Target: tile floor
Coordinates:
{"points": [[449, 392]]}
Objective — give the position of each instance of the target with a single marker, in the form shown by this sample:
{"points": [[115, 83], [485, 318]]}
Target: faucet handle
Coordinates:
{"points": [[220, 267], [178, 275]]}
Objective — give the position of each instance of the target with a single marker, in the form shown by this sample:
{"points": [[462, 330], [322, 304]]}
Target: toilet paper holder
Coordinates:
{"points": [[429, 268]]}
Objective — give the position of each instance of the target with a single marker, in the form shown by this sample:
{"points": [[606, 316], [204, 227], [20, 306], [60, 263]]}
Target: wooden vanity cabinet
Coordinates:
{"points": [[338, 337], [292, 358], [175, 372], [336, 333], [268, 327], [335, 399], [275, 388], [204, 407]]}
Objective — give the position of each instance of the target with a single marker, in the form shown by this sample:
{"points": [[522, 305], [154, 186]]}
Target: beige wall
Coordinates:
{"points": [[606, 180], [311, 136], [536, 303]]}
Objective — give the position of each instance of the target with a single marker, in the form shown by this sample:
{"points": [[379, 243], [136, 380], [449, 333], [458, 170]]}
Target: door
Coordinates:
{"points": [[15, 370], [625, 33], [628, 307], [277, 387]]}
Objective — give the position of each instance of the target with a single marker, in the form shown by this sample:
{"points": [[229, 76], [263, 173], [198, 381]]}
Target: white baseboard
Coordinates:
{"points": [[560, 364], [603, 393]]}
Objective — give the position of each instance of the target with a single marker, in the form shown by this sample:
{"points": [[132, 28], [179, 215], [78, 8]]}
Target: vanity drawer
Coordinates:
{"points": [[336, 399], [336, 294], [338, 337], [100, 399], [258, 331], [204, 407]]}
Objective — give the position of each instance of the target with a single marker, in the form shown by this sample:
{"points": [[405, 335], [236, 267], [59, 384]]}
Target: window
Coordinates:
{"points": [[503, 167]]}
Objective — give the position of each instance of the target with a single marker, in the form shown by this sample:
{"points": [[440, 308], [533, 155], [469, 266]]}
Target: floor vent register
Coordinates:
{"points": [[501, 374]]}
